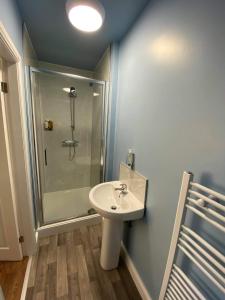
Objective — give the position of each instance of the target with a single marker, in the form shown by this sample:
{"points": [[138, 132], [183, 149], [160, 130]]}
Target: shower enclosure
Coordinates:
{"points": [[68, 137]]}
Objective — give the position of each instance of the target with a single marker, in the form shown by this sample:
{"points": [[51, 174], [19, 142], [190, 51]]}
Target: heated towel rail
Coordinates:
{"points": [[208, 205]]}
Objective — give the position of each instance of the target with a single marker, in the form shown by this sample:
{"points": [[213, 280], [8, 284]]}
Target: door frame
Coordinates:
{"points": [[19, 142], [11, 247]]}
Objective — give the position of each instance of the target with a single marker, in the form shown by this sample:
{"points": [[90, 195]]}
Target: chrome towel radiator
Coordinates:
{"points": [[209, 206]]}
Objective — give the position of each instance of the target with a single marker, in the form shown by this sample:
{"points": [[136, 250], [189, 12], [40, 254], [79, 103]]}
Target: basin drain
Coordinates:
{"points": [[113, 207]]}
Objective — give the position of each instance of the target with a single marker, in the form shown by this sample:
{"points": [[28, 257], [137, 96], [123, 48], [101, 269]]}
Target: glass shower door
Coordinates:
{"points": [[68, 115]]}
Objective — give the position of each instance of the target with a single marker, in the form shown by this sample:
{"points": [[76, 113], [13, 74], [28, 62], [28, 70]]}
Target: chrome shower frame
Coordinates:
{"points": [[37, 189]]}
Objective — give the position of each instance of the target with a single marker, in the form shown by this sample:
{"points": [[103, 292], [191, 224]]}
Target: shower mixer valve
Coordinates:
{"points": [[70, 143]]}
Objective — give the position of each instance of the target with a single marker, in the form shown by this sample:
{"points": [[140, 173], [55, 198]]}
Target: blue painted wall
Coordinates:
{"points": [[10, 18], [171, 110]]}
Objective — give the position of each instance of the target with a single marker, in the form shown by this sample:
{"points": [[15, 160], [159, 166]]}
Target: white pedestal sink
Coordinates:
{"points": [[115, 208]]}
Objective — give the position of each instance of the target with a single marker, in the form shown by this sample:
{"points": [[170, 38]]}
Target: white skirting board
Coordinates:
{"points": [[134, 274], [26, 278]]}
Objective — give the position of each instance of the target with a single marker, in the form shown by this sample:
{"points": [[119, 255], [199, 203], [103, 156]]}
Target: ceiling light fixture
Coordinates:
{"points": [[85, 15]]}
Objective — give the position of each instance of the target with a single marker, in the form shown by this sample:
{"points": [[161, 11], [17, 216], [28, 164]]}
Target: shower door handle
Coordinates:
{"points": [[46, 160]]}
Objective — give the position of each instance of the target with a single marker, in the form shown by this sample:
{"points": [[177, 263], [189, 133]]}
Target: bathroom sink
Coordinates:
{"points": [[117, 202], [114, 204]]}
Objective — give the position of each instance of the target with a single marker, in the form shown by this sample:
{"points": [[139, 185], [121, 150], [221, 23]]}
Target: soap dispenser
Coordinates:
{"points": [[131, 158]]}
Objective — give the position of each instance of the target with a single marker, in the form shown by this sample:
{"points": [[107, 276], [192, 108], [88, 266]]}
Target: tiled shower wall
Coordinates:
{"points": [[61, 173]]}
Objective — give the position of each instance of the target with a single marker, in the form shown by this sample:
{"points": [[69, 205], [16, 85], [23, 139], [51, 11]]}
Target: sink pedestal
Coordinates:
{"points": [[111, 243]]}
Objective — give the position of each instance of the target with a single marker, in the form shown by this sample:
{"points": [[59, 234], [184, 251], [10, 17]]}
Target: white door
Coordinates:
{"points": [[10, 248]]}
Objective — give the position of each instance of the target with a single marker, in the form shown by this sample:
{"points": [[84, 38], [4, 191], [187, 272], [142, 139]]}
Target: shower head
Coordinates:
{"points": [[73, 92]]}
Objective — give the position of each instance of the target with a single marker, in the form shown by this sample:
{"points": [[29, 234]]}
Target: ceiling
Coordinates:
{"points": [[57, 41]]}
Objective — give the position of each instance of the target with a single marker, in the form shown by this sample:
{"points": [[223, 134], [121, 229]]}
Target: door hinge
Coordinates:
{"points": [[21, 239], [4, 87]]}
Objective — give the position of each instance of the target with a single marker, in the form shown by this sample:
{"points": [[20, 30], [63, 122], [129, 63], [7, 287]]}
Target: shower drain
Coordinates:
{"points": [[113, 207]]}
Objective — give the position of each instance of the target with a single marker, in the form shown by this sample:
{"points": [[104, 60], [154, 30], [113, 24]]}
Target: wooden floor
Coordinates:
{"points": [[67, 267], [11, 278]]}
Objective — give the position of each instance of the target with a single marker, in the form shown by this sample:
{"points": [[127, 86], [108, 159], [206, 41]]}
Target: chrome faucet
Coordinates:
{"points": [[122, 188]]}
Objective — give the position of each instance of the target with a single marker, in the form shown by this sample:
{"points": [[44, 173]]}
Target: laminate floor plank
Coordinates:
{"points": [[71, 256], [61, 239], [41, 273], [62, 280], [11, 278], [44, 241], [93, 235], [77, 237], [50, 290], [127, 282], [74, 289], [113, 275], [52, 249], [66, 267], [119, 290], [33, 271], [29, 294], [83, 277], [39, 296], [105, 284], [86, 242], [95, 290]]}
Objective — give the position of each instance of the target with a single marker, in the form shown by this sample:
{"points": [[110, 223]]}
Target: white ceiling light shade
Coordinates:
{"points": [[85, 15]]}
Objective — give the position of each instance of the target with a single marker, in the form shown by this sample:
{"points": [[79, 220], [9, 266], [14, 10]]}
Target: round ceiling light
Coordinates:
{"points": [[85, 15]]}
